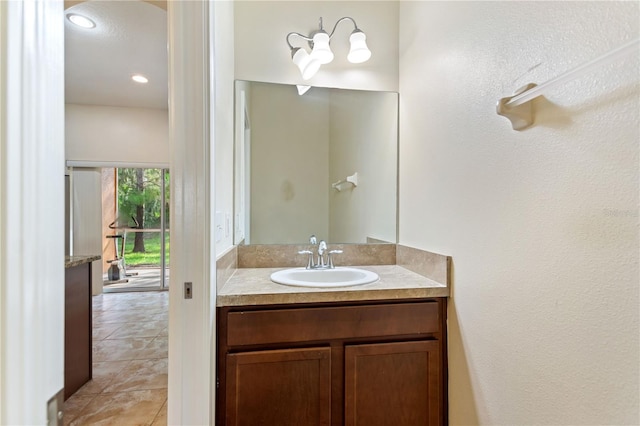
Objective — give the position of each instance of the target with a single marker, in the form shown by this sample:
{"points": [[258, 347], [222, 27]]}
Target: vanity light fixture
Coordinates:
{"points": [[139, 78], [309, 63], [81, 21]]}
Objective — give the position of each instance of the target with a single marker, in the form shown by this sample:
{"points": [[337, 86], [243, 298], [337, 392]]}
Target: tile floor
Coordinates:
{"points": [[129, 385]]}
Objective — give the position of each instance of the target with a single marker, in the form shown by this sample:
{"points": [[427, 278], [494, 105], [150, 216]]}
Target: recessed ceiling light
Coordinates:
{"points": [[138, 78], [81, 21]]}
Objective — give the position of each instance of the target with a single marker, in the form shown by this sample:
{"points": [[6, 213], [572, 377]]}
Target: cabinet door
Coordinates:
{"points": [[394, 384], [279, 387]]}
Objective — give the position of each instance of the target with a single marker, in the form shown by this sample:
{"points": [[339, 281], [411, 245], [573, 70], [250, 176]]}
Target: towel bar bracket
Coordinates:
{"points": [[353, 180], [521, 116], [519, 109]]}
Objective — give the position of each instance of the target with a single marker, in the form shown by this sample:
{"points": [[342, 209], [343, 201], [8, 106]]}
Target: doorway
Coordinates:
{"points": [[136, 239]]}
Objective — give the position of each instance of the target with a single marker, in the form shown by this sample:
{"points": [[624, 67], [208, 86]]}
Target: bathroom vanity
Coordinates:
{"points": [[371, 355]]}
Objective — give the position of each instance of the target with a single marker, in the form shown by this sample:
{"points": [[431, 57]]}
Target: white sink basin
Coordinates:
{"points": [[337, 277]]}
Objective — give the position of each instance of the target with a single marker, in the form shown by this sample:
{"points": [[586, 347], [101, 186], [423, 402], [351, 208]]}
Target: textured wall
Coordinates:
{"points": [[542, 224]]}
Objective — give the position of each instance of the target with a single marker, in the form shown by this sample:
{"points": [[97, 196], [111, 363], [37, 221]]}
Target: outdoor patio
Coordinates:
{"points": [[144, 278]]}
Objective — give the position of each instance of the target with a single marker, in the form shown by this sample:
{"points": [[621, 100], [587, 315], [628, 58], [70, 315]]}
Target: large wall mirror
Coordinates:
{"points": [[295, 158]]}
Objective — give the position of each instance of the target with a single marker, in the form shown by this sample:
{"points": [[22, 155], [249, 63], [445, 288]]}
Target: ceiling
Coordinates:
{"points": [[130, 37]]}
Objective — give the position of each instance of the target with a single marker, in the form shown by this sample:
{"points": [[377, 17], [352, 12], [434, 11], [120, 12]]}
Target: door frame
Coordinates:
{"points": [[31, 178], [191, 321], [31, 209]]}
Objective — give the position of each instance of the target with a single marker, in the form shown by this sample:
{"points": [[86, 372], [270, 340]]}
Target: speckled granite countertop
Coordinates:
{"points": [[71, 261], [252, 286]]}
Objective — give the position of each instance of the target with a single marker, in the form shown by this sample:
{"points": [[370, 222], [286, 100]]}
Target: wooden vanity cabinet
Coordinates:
{"points": [[357, 363]]}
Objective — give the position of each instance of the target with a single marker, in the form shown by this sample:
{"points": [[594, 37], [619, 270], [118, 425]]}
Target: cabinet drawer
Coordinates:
{"points": [[330, 323]]}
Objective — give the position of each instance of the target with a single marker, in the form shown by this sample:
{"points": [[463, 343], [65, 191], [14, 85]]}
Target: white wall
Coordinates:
{"points": [[542, 224], [363, 139], [223, 128], [262, 54], [86, 189], [289, 167], [242, 162], [116, 134]]}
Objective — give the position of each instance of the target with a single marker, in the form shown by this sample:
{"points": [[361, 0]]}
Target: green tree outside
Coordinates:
{"points": [[140, 200]]}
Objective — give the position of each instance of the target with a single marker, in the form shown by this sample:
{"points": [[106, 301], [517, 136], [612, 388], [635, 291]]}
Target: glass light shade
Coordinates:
{"points": [[308, 66], [359, 51], [321, 49]]}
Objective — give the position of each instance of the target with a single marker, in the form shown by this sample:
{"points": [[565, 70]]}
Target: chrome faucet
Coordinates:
{"points": [[322, 247], [321, 263]]}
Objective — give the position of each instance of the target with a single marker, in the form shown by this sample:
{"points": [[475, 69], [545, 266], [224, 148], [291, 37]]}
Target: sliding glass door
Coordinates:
{"points": [[165, 230], [139, 230]]}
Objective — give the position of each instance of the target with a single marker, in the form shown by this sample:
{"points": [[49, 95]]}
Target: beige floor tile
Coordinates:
{"points": [[139, 329], [120, 349], [145, 302], [161, 418], [74, 405], [140, 375], [102, 331], [158, 348], [93, 386], [108, 369], [107, 316], [129, 385], [103, 374], [104, 302], [141, 304], [157, 314], [123, 408], [130, 316]]}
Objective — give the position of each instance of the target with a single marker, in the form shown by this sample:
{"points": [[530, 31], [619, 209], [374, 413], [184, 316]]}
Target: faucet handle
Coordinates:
{"points": [[313, 240], [332, 252], [310, 261]]}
